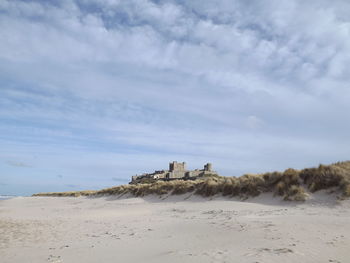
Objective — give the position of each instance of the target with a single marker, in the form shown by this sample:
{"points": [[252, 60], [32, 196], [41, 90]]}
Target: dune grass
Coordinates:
{"points": [[68, 194], [291, 184]]}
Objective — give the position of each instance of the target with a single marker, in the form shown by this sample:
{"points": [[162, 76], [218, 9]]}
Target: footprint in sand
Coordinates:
{"points": [[217, 255], [277, 251]]}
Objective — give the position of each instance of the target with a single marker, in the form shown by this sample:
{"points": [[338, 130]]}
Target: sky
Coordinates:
{"points": [[95, 91]]}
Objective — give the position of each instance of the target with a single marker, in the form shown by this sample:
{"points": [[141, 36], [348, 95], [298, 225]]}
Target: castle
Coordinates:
{"points": [[176, 171]]}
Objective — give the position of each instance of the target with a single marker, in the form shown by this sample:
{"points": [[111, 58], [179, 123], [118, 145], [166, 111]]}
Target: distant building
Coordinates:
{"points": [[176, 171]]}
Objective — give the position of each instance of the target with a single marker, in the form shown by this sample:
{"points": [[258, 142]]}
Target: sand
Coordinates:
{"points": [[177, 229]]}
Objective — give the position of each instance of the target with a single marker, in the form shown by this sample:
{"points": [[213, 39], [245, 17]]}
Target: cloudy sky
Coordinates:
{"points": [[94, 91]]}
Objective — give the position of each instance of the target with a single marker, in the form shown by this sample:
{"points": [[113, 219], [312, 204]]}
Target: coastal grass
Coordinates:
{"points": [[291, 185], [68, 194]]}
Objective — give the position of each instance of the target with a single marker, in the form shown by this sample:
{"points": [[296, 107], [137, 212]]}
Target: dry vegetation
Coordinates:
{"points": [[68, 194], [290, 184]]}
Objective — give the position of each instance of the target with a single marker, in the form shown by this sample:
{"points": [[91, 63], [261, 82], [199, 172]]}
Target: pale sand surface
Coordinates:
{"points": [[60, 229]]}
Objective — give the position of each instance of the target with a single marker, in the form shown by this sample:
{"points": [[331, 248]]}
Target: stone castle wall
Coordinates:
{"points": [[176, 171]]}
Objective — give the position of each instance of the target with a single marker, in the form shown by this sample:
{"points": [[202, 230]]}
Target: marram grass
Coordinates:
{"points": [[291, 184]]}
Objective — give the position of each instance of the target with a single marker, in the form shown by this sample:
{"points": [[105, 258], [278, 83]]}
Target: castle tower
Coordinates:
{"points": [[175, 166], [208, 167]]}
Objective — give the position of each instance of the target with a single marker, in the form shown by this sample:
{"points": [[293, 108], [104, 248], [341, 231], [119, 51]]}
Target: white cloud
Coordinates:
{"points": [[254, 122]]}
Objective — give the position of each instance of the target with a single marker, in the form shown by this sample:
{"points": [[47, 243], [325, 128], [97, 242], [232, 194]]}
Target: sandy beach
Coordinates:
{"points": [[106, 229]]}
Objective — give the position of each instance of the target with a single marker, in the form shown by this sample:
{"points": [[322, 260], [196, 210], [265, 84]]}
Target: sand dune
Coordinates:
{"points": [[107, 229]]}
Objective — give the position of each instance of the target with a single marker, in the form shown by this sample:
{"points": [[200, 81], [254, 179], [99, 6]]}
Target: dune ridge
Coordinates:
{"points": [[291, 184]]}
